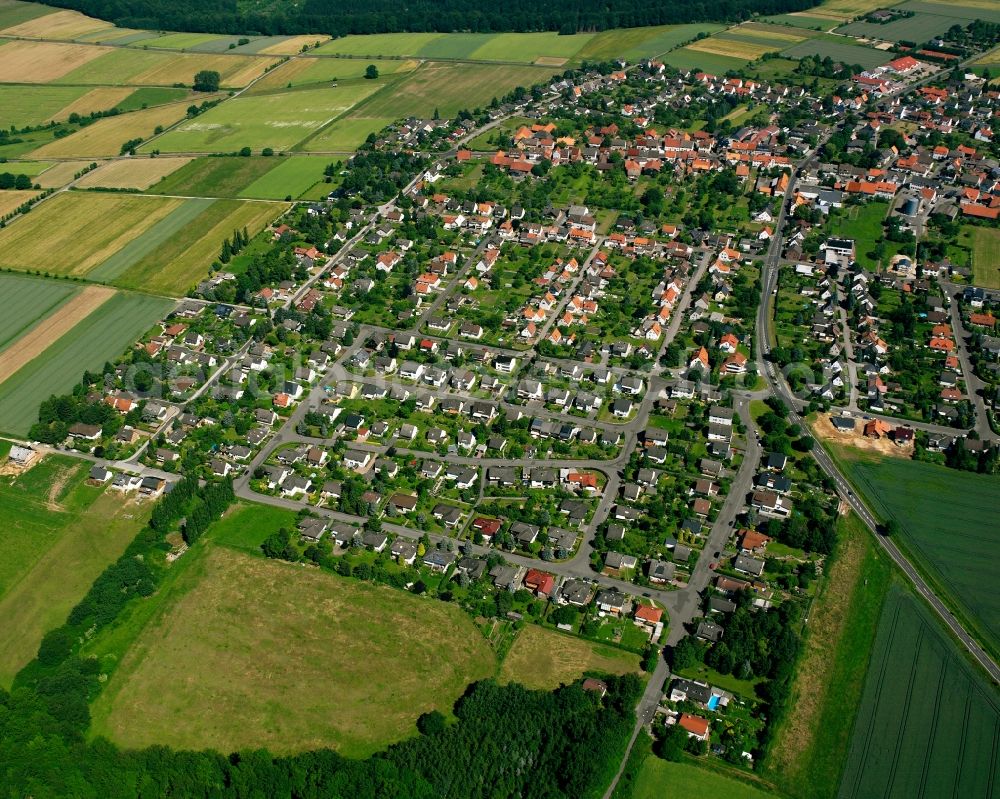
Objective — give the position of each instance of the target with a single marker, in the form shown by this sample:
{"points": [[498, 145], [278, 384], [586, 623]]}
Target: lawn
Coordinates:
{"points": [[57, 533], [278, 121], [450, 88], [928, 721], [949, 520], [546, 659], [214, 176], [985, 256], [106, 136], [102, 336], [72, 233], [660, 778], [177, 264], [839, 51], [28, 300], [262, 653], [290, 177], [810, 747], [863, 223]]}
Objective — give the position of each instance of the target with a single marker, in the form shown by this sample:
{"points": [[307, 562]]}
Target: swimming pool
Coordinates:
{"points": [[713, 703]]}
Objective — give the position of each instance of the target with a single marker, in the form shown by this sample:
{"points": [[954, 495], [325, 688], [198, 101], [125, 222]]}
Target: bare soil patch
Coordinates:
{"points": [[883, 446]]}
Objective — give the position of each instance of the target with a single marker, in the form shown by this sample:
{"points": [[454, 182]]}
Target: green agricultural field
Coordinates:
{"points": [[74, 232], [182, 41], [290, 177], [949, 519], [811, 743], [57, 533], [985, 256], [839, 51], [224, 176], [306, 71], [545, 659], [178, 263], [449, 88], [530, 47], [346, 134], [26, 301], [149, 96], [385, 44], [30, 168], [102, 336], [32, 105], [918, 28], [287, 658], [638, 43], [169, 227], [687, 59], [13, 12], [986, 10], [928, 723], [659, 778], [278, 121], [801, 21]]}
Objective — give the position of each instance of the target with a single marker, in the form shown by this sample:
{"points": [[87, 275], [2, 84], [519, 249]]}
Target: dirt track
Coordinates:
{"points": [[37, 339]]}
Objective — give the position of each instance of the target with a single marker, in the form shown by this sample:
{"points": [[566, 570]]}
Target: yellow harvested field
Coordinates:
{"points": [[60, 174], [131, 173], [10, 201], [58, 25], [730, 48], [52, 328], [770, 32], [294, 45], [847, 9], [550, 61], [100, 99], [236, 70], [993, 57], [42, 62], [106, 136], [73, 232]]}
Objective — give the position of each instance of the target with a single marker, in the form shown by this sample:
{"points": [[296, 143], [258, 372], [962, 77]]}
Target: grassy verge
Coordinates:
{"points": [[810, 748]]}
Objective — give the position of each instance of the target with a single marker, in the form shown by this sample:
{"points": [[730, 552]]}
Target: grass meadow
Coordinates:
{"points": [[290, 177], [545, 659], [985, 255], [950, 521], [450, 88], [839, 51], [102, 336], [279, 121], [346, 134], [216, 176], [247, 652], [28, 300], [810, 746], [57, 532], [928, 723], [659, 778]]}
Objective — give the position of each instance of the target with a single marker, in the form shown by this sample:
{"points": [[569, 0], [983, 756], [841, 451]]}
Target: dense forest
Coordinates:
{"points": [[384, 16]]}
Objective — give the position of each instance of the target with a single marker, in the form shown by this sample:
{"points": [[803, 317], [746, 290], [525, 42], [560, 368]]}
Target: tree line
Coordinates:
{"points": [[386, 16]]}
